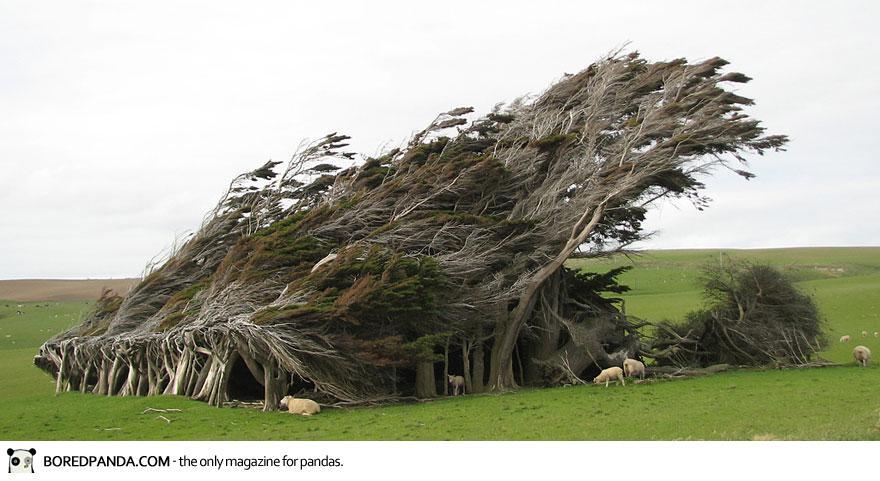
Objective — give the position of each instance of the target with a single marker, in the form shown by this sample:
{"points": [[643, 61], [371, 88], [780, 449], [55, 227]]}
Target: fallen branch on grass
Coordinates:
{"points": [[154, 410], [677, 372]]}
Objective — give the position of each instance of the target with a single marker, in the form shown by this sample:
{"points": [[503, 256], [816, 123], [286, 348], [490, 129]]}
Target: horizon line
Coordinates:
{"points": [[111, 278]]}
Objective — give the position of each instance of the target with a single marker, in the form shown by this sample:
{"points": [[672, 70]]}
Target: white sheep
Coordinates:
{"points": [[864, 333], [457, 383], [844, 338], [862, 355], [607, 375], [633, 367], [876, 334], [303, 406]]}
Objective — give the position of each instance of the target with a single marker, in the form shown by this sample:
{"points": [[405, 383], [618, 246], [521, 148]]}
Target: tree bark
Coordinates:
{"points": [[114, 374], [466, 365], [446, 368], [101, 387], [181, 374], [426, 386], [550, 329], [84, 384], [220, 393], [500, 361], [197, 375], [502, 351], [478, 377], [275, 386], [519, 364], [63, 369]]}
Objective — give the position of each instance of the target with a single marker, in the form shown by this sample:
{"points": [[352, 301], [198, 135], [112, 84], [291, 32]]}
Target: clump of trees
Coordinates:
{"points": [[447, 255], [754, 315]]}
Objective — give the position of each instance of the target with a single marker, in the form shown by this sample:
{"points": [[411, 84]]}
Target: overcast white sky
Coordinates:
{"points": [[122, 122]]}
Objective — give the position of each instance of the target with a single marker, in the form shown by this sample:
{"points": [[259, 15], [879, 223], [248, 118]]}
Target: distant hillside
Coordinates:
{"points": [[668, 271], [25, 290]]}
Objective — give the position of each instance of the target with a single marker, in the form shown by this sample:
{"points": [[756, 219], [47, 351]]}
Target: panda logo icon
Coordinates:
{"points": [[21, 460]]}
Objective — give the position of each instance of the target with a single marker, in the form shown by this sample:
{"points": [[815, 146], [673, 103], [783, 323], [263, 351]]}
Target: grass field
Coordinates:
{"points": [[822, 403], [27, 290]]}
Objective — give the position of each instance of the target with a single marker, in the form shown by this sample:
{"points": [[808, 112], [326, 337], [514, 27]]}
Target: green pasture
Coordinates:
{"points": [[818, 403]]}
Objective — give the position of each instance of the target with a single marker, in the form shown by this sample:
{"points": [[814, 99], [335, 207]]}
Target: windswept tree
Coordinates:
{"points": [[361, 283]]}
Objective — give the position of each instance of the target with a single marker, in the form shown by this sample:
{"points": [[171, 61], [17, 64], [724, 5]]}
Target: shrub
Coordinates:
{"points": [[754, 315]]}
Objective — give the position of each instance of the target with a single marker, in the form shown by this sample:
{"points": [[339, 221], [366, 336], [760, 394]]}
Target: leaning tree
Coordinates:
{"points": [[446, 255]]}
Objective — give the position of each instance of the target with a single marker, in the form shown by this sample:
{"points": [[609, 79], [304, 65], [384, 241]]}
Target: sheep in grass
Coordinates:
{"points": [[457, 383], [306, 407], [844, 338], [876, 334], [862, 355], [864, 333], [608, 374], [633, 367]]}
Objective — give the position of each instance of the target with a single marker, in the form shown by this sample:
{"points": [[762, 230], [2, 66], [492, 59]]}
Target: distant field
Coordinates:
{"points": [[820, 403], [23, 290]]}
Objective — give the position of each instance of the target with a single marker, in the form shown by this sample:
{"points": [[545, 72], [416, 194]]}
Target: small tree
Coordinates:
{"points": [[754, 316]]}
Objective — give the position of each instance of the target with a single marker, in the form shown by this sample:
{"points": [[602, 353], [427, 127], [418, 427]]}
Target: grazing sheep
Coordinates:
{"points": [[608, 374], [876, 334], [457, 383], [306, 407], [632, 367], [844, 338], [862, 355], [864, 333]]}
